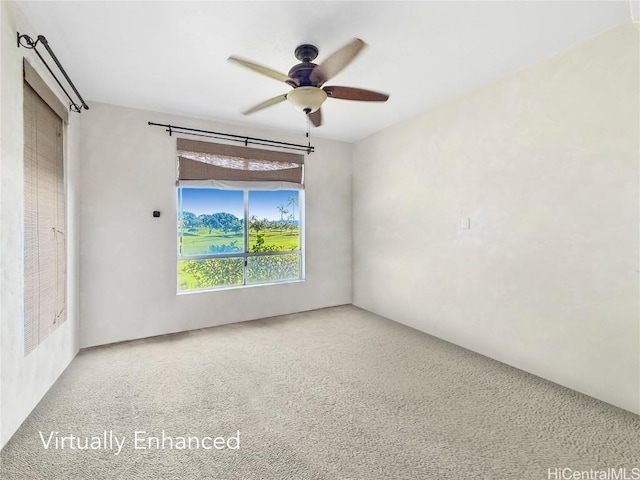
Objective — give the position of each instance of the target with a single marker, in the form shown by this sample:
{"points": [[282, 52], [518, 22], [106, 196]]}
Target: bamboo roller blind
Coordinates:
{"points": [[44, 221], [215, 161]]}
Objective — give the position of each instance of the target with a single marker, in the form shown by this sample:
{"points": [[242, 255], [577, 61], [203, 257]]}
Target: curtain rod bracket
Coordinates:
{"points": [[26, 41]]}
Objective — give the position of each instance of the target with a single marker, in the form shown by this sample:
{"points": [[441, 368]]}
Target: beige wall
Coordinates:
{"points": [[25, 379], [545, 164], [128, 258]]}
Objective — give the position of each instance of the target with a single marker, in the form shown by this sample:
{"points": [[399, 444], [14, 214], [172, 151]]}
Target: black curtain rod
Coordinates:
{"points": [[234, 138], [27, 42]]}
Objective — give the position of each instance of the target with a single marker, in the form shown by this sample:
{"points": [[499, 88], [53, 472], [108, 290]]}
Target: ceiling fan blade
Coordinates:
{"points": [[349, 93], [337, 61], [268, 103], [316, 118], [269, 72]]}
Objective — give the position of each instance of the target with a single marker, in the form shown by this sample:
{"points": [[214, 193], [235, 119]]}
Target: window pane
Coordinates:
{"points": [[274, 220], [209, 273], [211, 221], [273, 268]]}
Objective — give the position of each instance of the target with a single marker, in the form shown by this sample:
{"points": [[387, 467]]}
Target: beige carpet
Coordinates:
{"points": [[331, 394]]}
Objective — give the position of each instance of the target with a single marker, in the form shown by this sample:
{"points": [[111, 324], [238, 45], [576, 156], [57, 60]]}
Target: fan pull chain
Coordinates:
{"points": [[308, 136]]}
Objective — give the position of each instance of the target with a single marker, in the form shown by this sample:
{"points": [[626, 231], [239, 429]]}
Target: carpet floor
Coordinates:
{"points": [[337, 393]]}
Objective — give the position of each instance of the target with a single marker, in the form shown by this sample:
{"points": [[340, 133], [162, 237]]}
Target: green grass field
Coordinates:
{"points": [[200, 241]]}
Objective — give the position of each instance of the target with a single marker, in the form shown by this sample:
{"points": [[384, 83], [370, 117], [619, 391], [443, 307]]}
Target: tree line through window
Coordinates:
{"points": [[238, 237]]}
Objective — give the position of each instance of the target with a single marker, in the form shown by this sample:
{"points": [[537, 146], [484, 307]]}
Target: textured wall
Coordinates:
{"points": [[128, 258], [24, 380], [545, 164]]}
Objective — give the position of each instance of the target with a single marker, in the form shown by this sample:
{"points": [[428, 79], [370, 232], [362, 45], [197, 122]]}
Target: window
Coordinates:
{"points": [[44, 211], [238, 237], [240, 216]]}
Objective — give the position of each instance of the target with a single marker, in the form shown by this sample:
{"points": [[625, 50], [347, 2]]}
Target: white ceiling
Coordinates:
{"points": [[171, 56]]}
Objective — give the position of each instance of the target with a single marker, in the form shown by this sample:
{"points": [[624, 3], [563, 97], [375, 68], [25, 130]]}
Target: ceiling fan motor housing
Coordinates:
{"points": [[300, 74]]}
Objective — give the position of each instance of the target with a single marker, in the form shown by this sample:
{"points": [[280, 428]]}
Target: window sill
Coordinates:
{"points": [[238, 287]]}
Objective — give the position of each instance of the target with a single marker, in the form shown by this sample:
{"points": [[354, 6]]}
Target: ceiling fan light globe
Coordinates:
{"points": [[307, 99]]}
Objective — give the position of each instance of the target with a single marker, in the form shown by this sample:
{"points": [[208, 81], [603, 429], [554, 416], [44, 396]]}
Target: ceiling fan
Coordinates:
{"points": [[307, 80]]}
